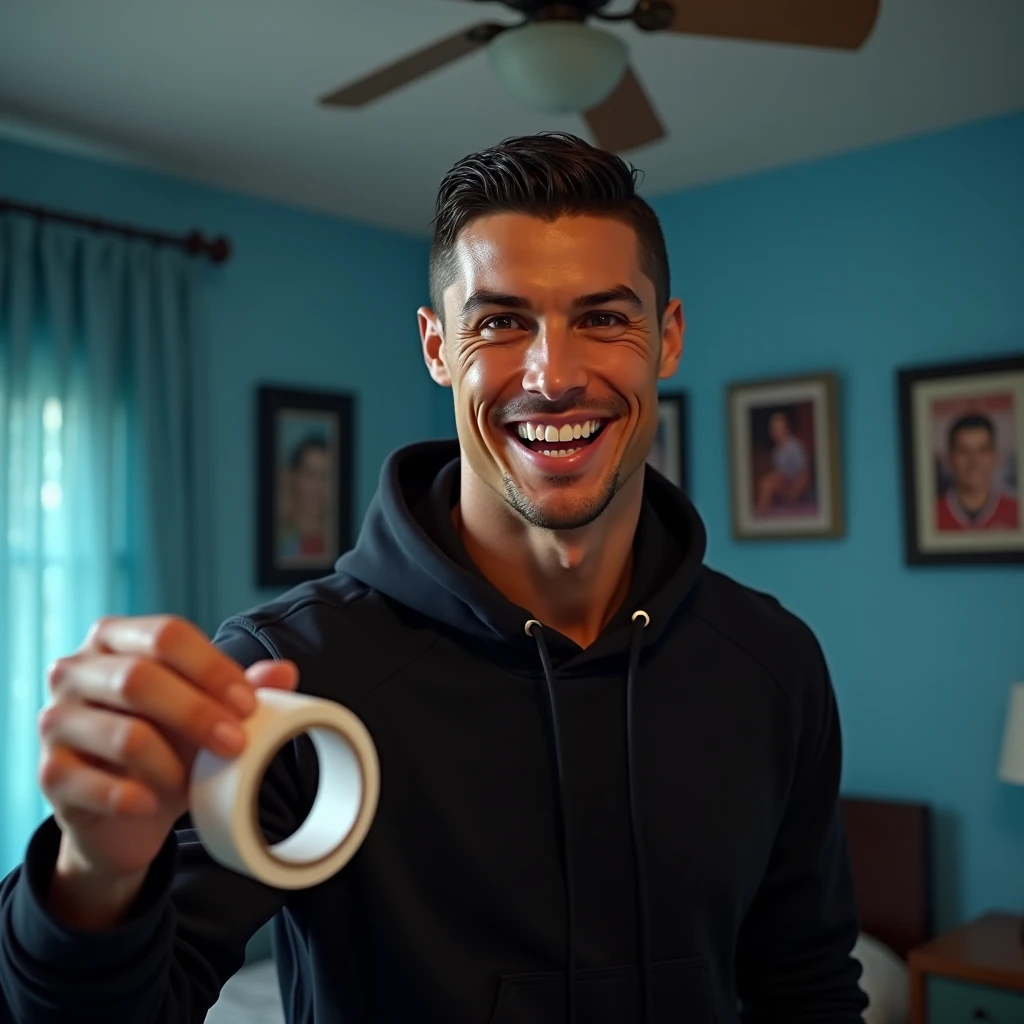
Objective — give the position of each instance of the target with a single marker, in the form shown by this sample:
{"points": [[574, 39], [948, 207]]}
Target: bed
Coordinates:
{"points": [[890, 851]]}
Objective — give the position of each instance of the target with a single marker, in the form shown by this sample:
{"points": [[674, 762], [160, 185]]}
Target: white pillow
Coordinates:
{"points": [[884, 981], [251, 996]]}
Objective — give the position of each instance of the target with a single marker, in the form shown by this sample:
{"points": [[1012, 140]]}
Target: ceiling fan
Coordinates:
{"points": [[554, 59]]}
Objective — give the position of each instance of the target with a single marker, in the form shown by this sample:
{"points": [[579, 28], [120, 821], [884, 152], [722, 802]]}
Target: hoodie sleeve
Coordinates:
{"points": [[182, 939], [793, 958]]}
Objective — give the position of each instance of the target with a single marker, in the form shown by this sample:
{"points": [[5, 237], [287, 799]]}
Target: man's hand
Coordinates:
{"points": [[129, 711]]}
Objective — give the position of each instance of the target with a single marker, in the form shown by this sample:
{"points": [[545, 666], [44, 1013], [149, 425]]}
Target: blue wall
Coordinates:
{"points": [[305, 300], [904, 254], [908, 253]]}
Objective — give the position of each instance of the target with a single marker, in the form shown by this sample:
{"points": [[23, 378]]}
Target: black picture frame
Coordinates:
{"points": [[315, 428], [669, 454], [986, 386]]}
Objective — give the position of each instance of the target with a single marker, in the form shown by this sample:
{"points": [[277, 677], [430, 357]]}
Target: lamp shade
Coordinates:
{"points": [[558, 67], [1011, 767]]}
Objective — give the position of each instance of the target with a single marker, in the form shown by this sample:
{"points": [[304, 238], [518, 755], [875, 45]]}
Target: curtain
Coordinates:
{"points": [[102, 471]]}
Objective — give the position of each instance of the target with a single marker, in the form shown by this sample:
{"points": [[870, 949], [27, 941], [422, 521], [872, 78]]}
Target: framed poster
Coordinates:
{"points": [[785, 471], [962, 436], [669, 452], [304, 483]]}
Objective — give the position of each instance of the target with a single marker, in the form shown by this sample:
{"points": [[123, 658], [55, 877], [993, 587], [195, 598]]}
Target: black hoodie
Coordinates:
{"points": [[643, 830]]}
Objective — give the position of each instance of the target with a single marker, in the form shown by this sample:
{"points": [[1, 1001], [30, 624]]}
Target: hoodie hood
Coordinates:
{"points": [[409, 550]]}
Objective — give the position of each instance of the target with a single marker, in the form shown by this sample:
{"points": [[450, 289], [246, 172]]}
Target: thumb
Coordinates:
{"points": [[280, 675]]}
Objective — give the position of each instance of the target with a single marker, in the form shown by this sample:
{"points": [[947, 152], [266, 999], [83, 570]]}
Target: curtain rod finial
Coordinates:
{"points": [[217, 249]]}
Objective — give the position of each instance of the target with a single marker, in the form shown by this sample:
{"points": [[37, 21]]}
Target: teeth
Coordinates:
{"points": [[549, 432], [559, 453]]}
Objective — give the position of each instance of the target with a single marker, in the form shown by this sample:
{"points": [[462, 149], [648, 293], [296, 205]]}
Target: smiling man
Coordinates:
{"points": [[552, 326], [609, 774], [974, 501]]}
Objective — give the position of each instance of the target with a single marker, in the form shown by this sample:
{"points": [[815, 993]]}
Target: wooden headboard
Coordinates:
{"points": [[891, 852]]}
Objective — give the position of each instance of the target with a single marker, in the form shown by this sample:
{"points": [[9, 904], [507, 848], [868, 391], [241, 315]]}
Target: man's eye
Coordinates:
{"points": [[500, 323], [601, 320]]}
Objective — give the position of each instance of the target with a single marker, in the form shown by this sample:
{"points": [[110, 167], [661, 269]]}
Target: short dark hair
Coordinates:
{"points": [[548, 175], [312, 443], [972, 421]]}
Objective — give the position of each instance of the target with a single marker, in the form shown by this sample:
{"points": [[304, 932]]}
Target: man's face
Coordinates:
{"points": [[972, 458], [778, 428], [553, 347]]}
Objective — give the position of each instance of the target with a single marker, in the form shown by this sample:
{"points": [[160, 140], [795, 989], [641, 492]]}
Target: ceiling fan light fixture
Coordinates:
{"points": [[558, 67]]}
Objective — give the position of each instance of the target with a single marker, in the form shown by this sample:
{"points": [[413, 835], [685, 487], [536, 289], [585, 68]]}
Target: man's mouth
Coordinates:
{"points": [[556, 439]]}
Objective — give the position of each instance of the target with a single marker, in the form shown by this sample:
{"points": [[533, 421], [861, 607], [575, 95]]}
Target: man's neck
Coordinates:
{"points": [[573, 581], [973, 500]]}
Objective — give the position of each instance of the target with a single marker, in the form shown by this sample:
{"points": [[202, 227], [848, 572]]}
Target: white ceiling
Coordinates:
{"points": [[223, 91]]}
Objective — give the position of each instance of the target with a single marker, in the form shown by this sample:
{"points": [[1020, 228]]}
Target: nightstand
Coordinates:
{"points": [[974, 973]]}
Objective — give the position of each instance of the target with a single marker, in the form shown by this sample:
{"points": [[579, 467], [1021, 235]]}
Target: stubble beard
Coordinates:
{"points": [[582, 513]]}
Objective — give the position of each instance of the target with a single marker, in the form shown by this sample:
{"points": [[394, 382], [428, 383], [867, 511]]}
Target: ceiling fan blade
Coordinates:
{"points": [[409, 68], [837, 24], [626, 118]]}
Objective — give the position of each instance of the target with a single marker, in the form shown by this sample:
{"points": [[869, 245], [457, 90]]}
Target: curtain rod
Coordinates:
{"points": [[194, 243]]}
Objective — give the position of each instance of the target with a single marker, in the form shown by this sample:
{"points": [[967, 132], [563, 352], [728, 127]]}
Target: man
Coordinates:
{"points": [[608, 774], [786, 483], [974, 501], [307, 502]]}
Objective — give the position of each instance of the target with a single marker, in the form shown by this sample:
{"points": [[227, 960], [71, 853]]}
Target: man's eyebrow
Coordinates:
{"points": [[620, 293], [482, 297]]}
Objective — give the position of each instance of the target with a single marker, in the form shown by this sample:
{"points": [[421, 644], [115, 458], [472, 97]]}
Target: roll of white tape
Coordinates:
{"points": [[224, 793]]}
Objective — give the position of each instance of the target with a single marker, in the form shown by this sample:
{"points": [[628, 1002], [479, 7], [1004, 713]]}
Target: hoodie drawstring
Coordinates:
{"points": [[640, 621], [570, 929]]}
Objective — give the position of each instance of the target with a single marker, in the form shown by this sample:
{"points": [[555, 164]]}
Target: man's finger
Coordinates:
{"points": [[146, 688], [277, 675], [125, 743], [181, 646], [70, 783]]}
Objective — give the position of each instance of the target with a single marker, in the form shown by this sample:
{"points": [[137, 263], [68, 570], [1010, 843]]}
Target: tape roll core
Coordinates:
{"points": [[335, 808]]}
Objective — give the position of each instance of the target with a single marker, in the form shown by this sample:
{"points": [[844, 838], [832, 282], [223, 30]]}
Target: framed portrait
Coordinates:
{"points": [[962, 437], [304, 483], [785, 458], [668, 455]]}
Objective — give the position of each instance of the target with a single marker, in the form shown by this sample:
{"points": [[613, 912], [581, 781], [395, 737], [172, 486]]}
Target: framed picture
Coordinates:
{"points": [[962, 434], [668, 455], [304, 483], [785, 458]]}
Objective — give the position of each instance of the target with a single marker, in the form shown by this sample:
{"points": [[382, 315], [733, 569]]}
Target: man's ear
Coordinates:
{"points": [[673, 326], [432, 339]]}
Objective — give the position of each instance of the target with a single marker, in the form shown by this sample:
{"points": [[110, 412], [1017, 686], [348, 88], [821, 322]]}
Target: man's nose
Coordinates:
{"points": [[554, 363]]}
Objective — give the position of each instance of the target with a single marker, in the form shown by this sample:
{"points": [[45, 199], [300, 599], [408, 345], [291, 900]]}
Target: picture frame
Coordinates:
{"points": [[669, 454], [786, 473], [961, 445], [304, 483]]}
